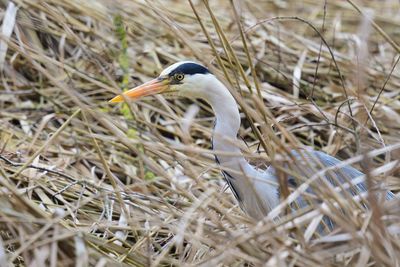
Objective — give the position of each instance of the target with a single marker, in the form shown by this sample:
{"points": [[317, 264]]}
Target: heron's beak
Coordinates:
{"points": [[152, 87]]}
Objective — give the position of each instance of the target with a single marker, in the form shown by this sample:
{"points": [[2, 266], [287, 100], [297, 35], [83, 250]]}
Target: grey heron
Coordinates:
{"points": [[257, 192]]}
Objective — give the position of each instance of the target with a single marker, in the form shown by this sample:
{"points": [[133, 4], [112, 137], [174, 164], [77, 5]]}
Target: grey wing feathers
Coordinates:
{"points": [[326, 161], [348, 171], [320, 160]]}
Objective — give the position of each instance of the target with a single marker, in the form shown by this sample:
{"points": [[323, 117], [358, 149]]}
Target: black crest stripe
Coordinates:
{"points": [[189, 68]]}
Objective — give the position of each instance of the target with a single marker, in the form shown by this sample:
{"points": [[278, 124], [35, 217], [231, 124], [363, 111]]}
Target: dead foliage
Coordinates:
{"points": [[84, 182]]}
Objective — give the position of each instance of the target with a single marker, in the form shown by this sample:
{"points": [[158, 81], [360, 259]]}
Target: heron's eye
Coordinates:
{"points": [[179, 77]]}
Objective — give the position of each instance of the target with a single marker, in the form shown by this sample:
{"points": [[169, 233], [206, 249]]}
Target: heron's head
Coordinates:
{"points": [[185, 78]]}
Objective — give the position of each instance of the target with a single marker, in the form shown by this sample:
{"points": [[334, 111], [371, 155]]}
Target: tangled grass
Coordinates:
{"points": [[86, 183]]}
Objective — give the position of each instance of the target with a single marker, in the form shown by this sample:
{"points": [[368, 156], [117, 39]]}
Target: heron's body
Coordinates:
{"points": [[256, 191]]}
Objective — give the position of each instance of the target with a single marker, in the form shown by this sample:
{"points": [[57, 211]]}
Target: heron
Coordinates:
{"points": [[256, 191]]}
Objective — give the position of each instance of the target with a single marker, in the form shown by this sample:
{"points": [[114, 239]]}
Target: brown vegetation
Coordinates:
{"points": [[84, 182]]}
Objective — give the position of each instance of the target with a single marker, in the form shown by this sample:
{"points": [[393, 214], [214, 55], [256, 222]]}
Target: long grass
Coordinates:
{"points": [[86, 183]]}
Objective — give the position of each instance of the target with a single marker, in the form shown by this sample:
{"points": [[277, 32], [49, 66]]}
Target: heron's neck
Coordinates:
{"points": [[238, 172], [227, 124]]}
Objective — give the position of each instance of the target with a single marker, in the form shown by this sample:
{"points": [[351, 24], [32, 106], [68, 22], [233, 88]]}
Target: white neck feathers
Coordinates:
{"points": [[238, 172]]}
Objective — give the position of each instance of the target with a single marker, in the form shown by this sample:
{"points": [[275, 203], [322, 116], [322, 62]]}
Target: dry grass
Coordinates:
{"points": [[84, 182]]}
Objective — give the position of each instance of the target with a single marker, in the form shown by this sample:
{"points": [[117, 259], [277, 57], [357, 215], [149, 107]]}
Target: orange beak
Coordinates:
{"points": [[152, 87]]}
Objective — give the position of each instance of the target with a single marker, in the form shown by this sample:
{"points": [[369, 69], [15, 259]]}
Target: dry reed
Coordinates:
{"points": [[86, 183]]}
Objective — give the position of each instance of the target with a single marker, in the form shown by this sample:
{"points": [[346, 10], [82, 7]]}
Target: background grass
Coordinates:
{"points": [[85, 182]]}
